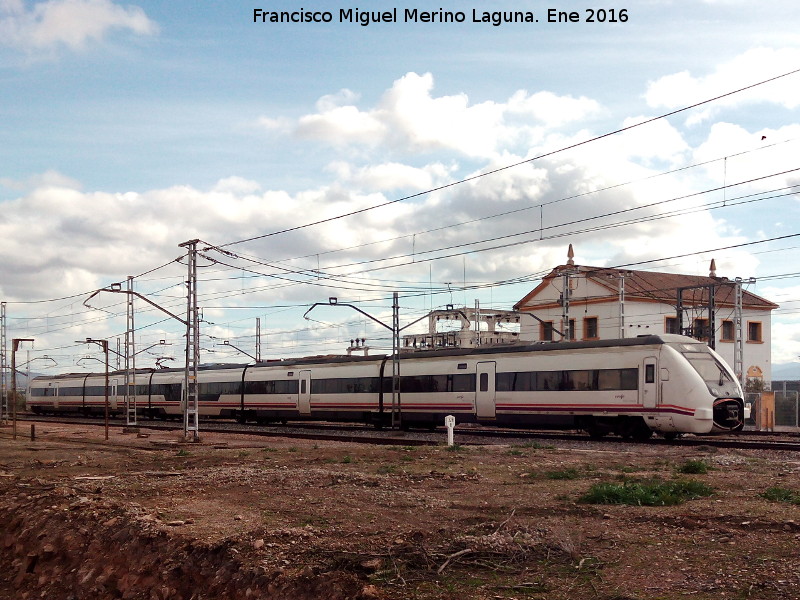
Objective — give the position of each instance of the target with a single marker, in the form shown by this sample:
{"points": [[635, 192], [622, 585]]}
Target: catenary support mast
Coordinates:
{"points": [[191, 408], [3, 366]]}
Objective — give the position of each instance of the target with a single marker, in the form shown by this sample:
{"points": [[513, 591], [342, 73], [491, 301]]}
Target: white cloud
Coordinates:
{"points": [[751, 155], [68, 23], [410, 118], [759, 64]]}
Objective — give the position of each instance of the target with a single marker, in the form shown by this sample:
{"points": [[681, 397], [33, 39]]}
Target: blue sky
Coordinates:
{"points": [[126, 129]]}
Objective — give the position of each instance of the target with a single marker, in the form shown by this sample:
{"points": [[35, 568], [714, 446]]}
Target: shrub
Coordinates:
{"points": [[694, 467], [647, 493], [779, 494]]}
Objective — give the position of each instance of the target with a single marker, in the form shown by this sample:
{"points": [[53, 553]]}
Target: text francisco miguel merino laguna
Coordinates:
{"points": [[409, 15]]}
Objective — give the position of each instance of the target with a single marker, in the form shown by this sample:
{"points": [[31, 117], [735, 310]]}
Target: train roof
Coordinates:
{"points": [[643, 340]]}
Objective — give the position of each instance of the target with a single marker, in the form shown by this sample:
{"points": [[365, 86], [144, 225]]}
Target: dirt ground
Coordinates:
{"points": [[240, 517]]}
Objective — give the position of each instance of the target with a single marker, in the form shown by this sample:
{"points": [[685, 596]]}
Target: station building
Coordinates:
{"points": [[577, 302]]}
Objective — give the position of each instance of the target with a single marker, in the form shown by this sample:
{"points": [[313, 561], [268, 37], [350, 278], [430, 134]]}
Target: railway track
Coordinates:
{"points": [[469, 435]]}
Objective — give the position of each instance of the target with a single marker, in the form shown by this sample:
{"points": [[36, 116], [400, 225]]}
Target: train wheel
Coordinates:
{"points": [[596, 433], [670, 436], [634, 428]]}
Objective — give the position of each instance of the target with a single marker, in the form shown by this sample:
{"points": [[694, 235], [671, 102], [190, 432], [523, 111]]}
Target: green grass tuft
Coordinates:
{"points": [[779, 494], [694, 467], [647, 493]]}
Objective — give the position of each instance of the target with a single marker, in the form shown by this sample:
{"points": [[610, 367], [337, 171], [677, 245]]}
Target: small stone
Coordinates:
{"points": [[368, 592], [258, 544], [372, 565], [176, 523]]}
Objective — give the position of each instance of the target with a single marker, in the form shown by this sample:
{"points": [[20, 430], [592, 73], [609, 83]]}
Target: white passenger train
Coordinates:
{"points": [[631, 387]]}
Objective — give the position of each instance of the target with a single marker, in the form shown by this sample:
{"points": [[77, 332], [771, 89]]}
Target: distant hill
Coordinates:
{"points": [[787, 371]]}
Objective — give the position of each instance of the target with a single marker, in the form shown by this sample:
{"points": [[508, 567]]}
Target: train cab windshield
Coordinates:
{"points": [[717, 377], [709, 368]]}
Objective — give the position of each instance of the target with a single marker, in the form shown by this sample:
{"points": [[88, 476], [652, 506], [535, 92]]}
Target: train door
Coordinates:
{"points": [[650, 382], [484, 394], [304, 393], [112, 394], [55, 395]]}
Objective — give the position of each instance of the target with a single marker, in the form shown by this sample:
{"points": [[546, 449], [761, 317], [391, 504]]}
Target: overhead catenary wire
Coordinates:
{"points": [[518, 163]]}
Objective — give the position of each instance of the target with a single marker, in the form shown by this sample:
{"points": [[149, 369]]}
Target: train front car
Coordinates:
{"points": [[704, 382]]}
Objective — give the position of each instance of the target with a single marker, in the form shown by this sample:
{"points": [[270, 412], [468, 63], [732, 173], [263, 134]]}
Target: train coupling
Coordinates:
{"points": [[728, 414]]}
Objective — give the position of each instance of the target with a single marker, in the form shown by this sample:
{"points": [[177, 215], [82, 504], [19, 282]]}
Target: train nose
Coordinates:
{"points": [[729, 414]]}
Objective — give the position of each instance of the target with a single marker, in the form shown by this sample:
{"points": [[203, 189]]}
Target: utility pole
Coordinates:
{"points": [[104, 346], [258, 339], [395, 356], [130, 361], [14, 347], [565, 327], [191, 397], [738, 329], [622, 275], [395, 329], [3, 366]]}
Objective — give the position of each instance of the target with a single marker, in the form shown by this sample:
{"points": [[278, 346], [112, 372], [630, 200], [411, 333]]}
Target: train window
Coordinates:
{"points": [[463, 383], [96, 390], [580, 380], [618, 379], [484, 382], [588, 380], [649, 373], [548, 380], [303, 387], [352, 385], [462, 365], [69, 391], [629, 379], [285, 386], [170, 391], [516, 382]]}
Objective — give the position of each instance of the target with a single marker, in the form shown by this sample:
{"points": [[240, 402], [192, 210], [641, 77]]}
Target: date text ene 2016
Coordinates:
{"points": [[593, 15]]}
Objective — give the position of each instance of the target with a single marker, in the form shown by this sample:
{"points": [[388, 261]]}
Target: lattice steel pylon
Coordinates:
{"points": [[396, 409], [130, 362], [191, 408], [738, 333], [3, 366]]}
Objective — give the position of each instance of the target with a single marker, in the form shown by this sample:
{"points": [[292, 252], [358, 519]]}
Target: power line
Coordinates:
{"points": [[514, 165]]}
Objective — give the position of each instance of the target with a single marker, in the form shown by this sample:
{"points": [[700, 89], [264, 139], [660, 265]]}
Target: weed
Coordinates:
{"points": [[386, 469], [647, 493], [515, 452], [183, 452], [694, 467], [570, 473], [456, 448], [779, 494], [629, 468], [347, 460]]}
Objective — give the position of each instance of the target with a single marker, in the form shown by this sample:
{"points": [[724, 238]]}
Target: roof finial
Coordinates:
{"points": [[570, 256], [713, 269]]}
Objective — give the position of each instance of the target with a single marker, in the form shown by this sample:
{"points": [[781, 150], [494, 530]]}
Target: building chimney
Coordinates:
{"points": [[570, 256], [713, 269]]}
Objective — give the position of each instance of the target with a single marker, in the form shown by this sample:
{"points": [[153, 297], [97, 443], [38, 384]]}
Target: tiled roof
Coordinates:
{"points": [[662, 287]]}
